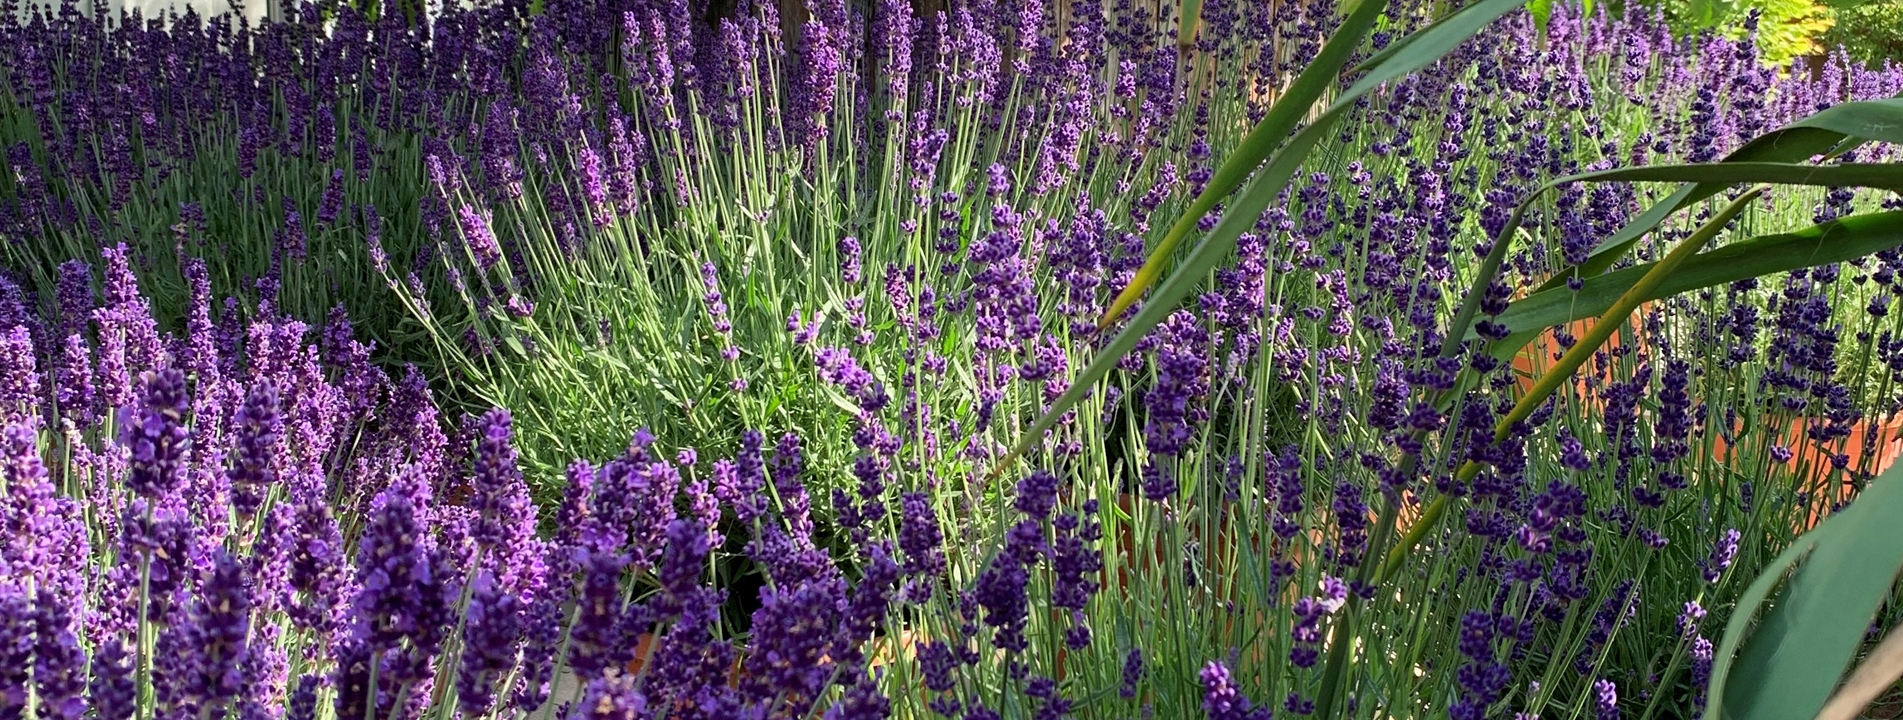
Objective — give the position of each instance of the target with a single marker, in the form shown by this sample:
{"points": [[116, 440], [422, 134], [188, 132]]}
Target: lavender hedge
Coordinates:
{"points": [[855, 254]]}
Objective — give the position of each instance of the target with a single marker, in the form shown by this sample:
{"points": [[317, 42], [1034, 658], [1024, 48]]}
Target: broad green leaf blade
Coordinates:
{"points": [[1836, 241], [1186, 23], [1875, 175], [1879, 670], [1827, 130], [1428, 45], [1747, 608], [1796, 655], [1262, 141]]}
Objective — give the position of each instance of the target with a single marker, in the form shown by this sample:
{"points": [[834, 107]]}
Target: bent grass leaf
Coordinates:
{"points": [[1795, 655], [1410, 54], [1874, 175], [1832, 129], [1268, 135], [1836, 241], [1430, 44]]}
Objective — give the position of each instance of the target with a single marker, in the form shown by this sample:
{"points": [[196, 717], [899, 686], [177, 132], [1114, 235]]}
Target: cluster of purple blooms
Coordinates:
{"points": [[261, 502], [267, 518]]}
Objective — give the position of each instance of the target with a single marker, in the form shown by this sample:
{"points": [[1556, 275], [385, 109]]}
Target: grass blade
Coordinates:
{"points": [[1427, 45], [1875, 175], [1836, 241], [1261, 142], [1826, 131]]}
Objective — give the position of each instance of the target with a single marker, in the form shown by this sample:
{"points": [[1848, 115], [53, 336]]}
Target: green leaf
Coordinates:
{"points": [[1428, 45], [1876, 175], [1836, 241], [1186, 25], [1262, 141], [1382, 56], [1411, 53], [515, 345], [1746, 609], [1831, 129], [1795, 656]]}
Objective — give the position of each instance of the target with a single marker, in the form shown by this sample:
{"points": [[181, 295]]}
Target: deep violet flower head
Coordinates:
{"points": [[256, 430], [492, 629], [155, 432], [1222, 700]]}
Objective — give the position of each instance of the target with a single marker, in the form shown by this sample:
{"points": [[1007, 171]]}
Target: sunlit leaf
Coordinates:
{"points": [[1836, 241]]}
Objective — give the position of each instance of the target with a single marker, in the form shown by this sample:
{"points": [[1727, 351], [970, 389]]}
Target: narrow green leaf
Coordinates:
{"points": [[1819, 134], [1796, 655], [1381, 56], [1836, 241], [1186, 26], [1876, 175], [1428, 45], [1268, 134]]}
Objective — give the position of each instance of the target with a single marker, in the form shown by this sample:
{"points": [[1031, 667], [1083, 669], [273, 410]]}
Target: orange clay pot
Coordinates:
{"points": [[1532, 362], [1811, 461]]}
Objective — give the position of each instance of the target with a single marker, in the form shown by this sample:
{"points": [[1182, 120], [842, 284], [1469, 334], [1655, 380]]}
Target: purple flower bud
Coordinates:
{"points": [[256, 429], [479, 237], [1722, 554], [1605, 700]]}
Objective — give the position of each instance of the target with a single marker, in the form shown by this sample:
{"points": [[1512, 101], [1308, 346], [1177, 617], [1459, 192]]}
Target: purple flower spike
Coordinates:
{"points": [[1605, 700], [16, 650], [59, 665], [1221, 699], [19, 377], [156, 436], [480, 237], [492, 629], [256, 429]]}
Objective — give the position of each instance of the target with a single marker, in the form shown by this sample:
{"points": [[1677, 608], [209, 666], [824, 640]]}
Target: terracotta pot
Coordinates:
{"points": [[1532, 362], [1811, 460]]}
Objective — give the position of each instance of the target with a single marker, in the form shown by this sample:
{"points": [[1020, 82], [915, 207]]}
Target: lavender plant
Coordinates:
{"points": [[859, 254]]}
